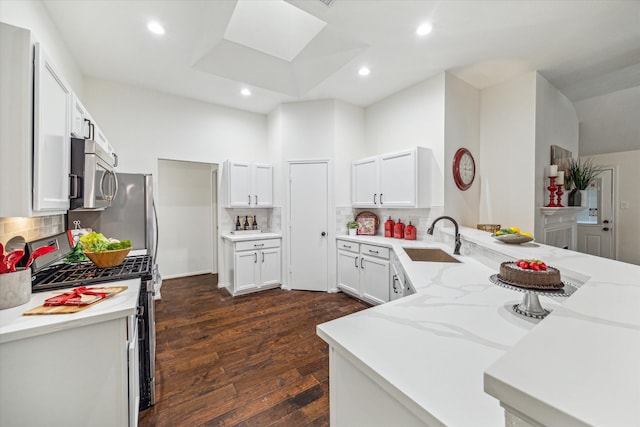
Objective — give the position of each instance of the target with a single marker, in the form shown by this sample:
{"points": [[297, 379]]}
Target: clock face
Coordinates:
{"points": [[464, 169]]}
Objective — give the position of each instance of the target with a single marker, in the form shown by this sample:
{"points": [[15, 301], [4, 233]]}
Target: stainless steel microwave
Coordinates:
{"points": [[93, 179]]}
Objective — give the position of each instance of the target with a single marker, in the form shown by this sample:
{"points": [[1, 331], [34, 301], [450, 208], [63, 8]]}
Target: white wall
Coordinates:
{"points": [[185, 218], [556, 124], [462, 129], [507, 153], [610, 123], [627, 202], [33, 16], [349, 146], [409, 118]]}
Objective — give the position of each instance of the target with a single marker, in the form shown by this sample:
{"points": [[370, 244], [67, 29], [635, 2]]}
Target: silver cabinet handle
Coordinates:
{"points": [[395, 279], [361, 266], [374, 198], [74, 181], [249, 196], [263, 257], [347, 246], [372, 251], [356, 261], [258, 245], [255, 257], [381, 198], [256, 200]]}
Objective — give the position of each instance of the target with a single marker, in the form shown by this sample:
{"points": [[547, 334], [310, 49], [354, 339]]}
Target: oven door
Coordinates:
{"points": [[133, 357]]}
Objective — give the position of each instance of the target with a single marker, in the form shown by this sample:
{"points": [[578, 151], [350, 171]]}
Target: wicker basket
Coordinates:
{"points": [[491, 228], [108, 258]]}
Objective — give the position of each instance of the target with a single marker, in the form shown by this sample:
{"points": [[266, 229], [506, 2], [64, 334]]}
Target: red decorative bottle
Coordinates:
{"points": [[398, 230], [410, 232], [388, 227]]}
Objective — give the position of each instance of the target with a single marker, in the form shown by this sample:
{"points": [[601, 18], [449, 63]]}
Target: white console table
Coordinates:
{"points": [[561, 227]]}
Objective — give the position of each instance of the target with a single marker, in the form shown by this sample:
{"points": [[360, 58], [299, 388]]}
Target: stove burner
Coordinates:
{"points": [[80, 274]]}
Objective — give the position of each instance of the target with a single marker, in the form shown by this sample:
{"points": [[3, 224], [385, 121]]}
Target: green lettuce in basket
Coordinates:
{"points": [[96, 242]]}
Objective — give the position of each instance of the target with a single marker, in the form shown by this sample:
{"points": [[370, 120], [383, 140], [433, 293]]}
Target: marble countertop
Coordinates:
{"points": [[15, 326], [458, 325], [250, 236]]}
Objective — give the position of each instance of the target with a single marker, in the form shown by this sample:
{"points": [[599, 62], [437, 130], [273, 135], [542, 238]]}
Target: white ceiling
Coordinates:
{"points": [[584, 48]]}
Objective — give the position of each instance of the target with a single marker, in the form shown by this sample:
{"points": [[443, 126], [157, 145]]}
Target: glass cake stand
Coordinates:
{"points": [[530, 305]]}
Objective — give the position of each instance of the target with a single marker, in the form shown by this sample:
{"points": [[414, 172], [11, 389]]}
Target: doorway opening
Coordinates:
{"points": [[187, 218]]}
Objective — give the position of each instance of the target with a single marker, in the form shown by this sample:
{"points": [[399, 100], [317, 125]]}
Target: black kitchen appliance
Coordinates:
{"points": [[50, 273]]}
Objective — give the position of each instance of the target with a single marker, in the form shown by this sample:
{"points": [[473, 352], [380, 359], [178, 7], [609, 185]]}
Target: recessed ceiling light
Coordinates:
{"points": [[245, 92], [155, 28], [424, 29], [364, 71]]}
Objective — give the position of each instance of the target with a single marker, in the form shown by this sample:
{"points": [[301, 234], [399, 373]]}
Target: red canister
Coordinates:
{"points": [[389, 227], [410, 232], [398, 230]]}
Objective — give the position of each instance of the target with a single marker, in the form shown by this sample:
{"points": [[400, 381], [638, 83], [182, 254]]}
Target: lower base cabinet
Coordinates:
{"points": [[252, 265], [363, 271], [84, 376]]}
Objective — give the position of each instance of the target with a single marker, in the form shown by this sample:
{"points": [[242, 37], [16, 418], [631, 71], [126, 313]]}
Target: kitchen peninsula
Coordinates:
{"points": [[445, 354]]}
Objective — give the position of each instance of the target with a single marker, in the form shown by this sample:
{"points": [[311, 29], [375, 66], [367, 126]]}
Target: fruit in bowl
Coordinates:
{"points": [[512, 230], [104, 252]]}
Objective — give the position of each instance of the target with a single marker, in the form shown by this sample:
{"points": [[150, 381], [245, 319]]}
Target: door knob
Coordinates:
{"points": [[605, 229], [606, 221], [323, 234]]}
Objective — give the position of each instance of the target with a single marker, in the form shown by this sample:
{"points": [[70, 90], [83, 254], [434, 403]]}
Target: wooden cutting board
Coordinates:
{"points": [[67, 309]]}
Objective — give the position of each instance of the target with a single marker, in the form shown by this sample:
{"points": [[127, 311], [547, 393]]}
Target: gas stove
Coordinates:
{"points": [[86, 273]]}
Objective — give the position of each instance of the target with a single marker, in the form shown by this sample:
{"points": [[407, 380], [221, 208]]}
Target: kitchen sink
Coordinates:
{"points": [[429, 255]]}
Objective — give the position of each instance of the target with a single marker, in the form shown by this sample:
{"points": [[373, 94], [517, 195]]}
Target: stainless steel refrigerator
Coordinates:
{"points": [[131, 214]]}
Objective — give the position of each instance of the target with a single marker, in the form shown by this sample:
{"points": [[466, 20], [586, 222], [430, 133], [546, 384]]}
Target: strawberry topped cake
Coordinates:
{"points": [[531, 274]]}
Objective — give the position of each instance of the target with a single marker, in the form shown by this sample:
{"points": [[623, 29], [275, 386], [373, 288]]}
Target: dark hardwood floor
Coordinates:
{"points": [[250, 361]]}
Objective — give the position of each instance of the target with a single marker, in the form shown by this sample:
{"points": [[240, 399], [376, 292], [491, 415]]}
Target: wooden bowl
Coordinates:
{"points": [[108, 258]]}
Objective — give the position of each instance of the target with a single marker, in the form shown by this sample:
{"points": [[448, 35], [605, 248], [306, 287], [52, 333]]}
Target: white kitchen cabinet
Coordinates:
{"points": [[51, 136], [248, 184], [363, 271], [251, 265], [34, 129], [400, 179], [80, 121], [81, 376]]}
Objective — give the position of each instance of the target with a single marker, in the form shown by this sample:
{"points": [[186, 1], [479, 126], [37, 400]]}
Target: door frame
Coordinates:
{"points": [[331, 241]]}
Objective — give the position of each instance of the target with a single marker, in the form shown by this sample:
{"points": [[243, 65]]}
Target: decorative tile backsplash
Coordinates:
{"points": [[31, 228], [420, 218]]}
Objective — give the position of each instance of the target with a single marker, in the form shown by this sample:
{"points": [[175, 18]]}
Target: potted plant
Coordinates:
{"points": [[580, 175], [353, 227]]}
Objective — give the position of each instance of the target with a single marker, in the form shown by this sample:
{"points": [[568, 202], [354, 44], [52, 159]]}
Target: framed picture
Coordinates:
{"points": [[560, 157], [368, 223]]}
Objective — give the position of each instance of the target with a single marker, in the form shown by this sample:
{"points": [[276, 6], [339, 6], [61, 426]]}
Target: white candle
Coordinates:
{"points": [[553, 170], [560, 179]]}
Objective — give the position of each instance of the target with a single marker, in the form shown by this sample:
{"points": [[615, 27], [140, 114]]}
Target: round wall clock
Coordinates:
{"points": [[464, 169]]}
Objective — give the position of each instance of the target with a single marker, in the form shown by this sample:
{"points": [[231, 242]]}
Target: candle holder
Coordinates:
{"points": [[552, 192], [559, 193]]}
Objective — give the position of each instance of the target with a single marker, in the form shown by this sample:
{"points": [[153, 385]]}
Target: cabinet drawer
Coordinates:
{"points": [[348, 246], [257, 244], [376, 251]]}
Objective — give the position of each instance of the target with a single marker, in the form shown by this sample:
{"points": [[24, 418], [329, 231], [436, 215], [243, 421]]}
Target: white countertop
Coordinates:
{"points": [[431, 349], [15, 326], [250, 236]]}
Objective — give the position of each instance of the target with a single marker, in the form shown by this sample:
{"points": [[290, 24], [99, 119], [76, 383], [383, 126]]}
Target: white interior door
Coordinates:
{"points": [[595, 223], [308, 225]]}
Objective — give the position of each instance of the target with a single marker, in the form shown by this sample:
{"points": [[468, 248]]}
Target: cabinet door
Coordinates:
{"points": [[374, 280], [364, 188], [51, 140], [246, 270], [79, 126], [348, 272], [239, 184], [398, 186], [270, 267], [262, 184]]}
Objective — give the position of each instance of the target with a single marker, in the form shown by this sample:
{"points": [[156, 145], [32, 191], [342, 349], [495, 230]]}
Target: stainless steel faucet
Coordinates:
{"points": [[456, 251]]}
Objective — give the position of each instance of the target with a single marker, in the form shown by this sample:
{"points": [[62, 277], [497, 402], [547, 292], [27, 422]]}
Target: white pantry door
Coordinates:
{"points": [[308, 225]]}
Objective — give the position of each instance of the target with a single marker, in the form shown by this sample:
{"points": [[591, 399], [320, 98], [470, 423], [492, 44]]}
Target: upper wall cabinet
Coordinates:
{"points": [[51, 136], [81, 125], [394, 180], [248, 185], [34, 129]]}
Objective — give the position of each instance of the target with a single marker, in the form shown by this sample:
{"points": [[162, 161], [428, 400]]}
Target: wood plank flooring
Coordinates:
{"points": [[249, 361]]}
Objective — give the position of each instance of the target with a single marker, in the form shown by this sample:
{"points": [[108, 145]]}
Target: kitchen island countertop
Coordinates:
{"points": [[457, 337]]}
